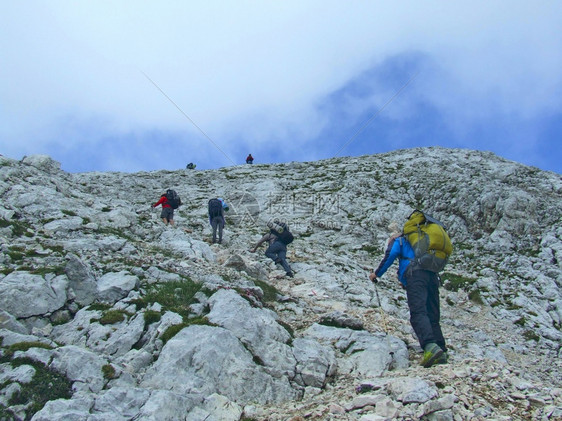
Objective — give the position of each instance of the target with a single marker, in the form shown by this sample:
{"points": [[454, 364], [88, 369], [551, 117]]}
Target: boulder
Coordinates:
{"points": [[81, 280], [114, 286], [207, 360], [19, 289], [42, 162]]}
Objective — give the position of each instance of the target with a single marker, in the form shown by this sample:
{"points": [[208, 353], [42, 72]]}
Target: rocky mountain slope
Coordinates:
{"points": [[105, 313]]}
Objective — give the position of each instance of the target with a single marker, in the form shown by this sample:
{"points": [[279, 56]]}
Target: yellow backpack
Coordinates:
{"points": [[430, 241]]}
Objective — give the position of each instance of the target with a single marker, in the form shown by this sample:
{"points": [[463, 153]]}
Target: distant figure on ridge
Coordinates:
{"points": [[418, 272], [278, 238], [169, 201], [190, 166], [249, 159], [217, 207]]}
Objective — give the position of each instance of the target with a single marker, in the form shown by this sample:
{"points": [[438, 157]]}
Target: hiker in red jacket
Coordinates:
{"points": [[167, 213]]}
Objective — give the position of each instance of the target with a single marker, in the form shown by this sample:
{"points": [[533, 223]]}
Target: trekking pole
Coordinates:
{"points": [[383, 316]]}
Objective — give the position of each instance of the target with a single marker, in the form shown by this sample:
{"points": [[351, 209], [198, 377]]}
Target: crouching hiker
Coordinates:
{"points": [[217, 207], [422, 291], [278, 238]]}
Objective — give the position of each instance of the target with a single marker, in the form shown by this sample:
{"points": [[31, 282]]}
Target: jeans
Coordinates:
{"points": [[278, 253], [422, 290], [217, 222]]}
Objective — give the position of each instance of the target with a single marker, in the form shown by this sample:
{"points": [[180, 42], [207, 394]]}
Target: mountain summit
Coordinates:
{"points": [[107, 313]]}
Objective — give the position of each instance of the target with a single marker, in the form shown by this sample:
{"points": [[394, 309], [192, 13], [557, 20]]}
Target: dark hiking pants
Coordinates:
{"points": [[278, 253], [217, 222], [422, 290]]}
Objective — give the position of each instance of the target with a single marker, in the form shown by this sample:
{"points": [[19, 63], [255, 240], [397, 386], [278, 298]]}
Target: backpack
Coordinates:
{"points": [[286, 237], [282, 232], [430, 241], [215, 208], [173, 198]]}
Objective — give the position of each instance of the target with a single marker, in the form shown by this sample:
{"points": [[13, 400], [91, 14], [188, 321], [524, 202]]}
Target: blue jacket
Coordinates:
{"points": [[397, 248]]}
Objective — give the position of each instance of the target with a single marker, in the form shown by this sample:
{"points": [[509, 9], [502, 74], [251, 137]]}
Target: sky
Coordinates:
{"points": [[141, 85]]}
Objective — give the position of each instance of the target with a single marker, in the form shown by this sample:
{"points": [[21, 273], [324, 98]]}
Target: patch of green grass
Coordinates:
{"points": [[16, 256], [57, 270], [22, 346], [106, 209], [454, 282], [112, 316], [18, 228], [69, 212], [174, 296], [54, 248], [475, 297], [288, 328], [172, 331], [32, 253], [5, 413], [531, 336], [370, 249], [531, 252], [108, 372], [270, 293], [306, 234], [152, 316], [521, 321], [99, 307], [116, 232], [46, 385]]}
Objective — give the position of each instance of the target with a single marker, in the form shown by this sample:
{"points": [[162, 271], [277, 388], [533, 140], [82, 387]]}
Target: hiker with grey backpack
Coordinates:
{"points": [[217, 207], [422, 248], [278, 238]]}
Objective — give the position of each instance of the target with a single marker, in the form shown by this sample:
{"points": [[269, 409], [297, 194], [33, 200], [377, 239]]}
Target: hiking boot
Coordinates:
{"points": [[443, 359], [431, 353], [290, 274]]}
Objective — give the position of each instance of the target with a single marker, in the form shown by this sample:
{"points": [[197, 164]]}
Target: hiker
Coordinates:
{"points": [[217, 207], [190, 166], [422, 291], [249, 159], [167, 213], [278, 237]]}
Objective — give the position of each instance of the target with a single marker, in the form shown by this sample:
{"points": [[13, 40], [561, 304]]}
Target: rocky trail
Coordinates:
{"points": [[128, 319]]}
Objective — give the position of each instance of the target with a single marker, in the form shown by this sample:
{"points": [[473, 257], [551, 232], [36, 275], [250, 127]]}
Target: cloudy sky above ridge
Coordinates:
{"points": [[141, 86]]}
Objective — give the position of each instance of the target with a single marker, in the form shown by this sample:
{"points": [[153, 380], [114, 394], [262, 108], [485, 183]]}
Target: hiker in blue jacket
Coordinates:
{"points": [[217, 207], [422, 291]]}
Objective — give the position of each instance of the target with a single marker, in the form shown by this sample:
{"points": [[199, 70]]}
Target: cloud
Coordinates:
{"points": [[253, 74]]}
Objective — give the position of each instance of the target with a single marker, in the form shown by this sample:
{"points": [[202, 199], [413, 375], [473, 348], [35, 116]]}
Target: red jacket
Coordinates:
{"points": [[163, 201]]}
